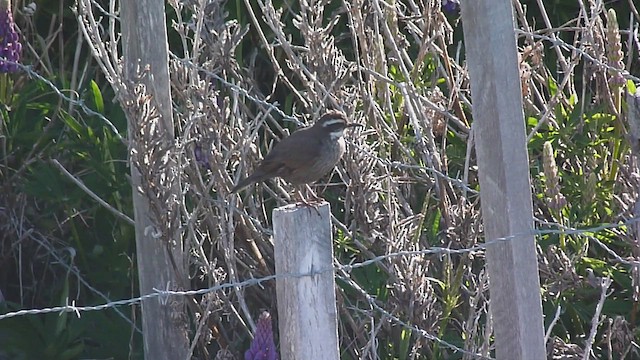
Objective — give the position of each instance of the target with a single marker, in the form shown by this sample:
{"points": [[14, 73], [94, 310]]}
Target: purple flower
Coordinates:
{"points": [[10, 47], [450, 5], [262, 347]]}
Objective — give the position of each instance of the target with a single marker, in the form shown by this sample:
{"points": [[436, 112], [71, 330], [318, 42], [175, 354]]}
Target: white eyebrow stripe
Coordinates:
{"points": [[333, 122]]}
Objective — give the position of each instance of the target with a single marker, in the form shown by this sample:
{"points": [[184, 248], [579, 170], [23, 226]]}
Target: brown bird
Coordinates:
{"points": [[306, 155]]}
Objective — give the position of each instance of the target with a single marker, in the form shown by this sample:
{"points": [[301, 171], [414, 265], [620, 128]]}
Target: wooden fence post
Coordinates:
{"points": [[144, 44], [307, 314], [505, 188]]}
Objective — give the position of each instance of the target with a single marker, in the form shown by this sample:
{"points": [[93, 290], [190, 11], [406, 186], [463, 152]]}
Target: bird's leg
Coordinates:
{"points": [[316, 199], [314, 203], [297, 195]]}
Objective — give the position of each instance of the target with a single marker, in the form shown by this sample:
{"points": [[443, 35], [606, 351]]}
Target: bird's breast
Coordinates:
{"points": [[328, 156], [334, 150]]}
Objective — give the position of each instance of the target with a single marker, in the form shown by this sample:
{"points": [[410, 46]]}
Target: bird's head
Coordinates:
{"points": [[333, 122]]}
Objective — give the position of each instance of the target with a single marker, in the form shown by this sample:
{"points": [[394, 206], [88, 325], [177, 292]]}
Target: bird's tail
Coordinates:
{"points": [[241, 185], [248, 181]]}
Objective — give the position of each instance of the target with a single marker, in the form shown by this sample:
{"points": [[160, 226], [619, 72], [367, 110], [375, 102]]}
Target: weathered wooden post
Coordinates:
{"points": [[505, 188], [144, 44], [307, 312]]}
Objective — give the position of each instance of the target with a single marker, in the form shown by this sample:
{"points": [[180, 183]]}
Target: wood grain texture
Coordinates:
{"points": [[164, 325], [504, 178], [307, 314]]}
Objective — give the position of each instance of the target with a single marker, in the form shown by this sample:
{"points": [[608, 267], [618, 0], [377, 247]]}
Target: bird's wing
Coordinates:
{"points": [[291, 153]]}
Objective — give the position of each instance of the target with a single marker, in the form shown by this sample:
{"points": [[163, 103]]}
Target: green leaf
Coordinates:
{"points": [[97, 97], [405, 341], [72, 123], [553, 86]]}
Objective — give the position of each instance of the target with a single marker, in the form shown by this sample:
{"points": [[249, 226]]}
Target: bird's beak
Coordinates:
{"points": [[354, 125]]}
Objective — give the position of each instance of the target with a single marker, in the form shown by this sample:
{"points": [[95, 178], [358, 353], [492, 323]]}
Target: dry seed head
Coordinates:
{"points": [[590, 189], [555, 198], [549, 166], [614, 47]]}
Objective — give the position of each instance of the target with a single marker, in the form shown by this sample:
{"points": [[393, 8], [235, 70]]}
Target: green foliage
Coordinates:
{"points": [[51, 337], [589, 147], [68, 229], [39, 131], [38, 127]]}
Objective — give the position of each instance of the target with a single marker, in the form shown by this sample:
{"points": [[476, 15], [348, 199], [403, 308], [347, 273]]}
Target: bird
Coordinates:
{"points": [[304, 156]]}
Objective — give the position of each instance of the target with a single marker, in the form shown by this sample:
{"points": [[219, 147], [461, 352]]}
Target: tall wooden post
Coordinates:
{"points": [[144, 42], [307, 314], [503, 167]]}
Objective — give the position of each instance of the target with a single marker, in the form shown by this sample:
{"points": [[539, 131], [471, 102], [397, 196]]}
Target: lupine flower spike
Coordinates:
{"points": [[10, 47], [262, 347]]}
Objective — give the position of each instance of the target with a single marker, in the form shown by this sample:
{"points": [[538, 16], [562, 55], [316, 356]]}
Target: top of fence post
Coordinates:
{"points": [[307, 314]]}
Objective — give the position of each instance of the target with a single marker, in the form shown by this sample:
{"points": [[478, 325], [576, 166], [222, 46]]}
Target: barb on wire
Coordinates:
{"points": [[157, 293], [346, 268]]}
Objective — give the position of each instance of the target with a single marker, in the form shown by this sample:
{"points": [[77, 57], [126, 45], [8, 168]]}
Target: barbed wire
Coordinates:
{"points": [[583, 53], [28, 69], [237, 88], [74, 270], [274, 107], [345, 270], [425, 334], [162, 295], [586, 233], [562, 230]]}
